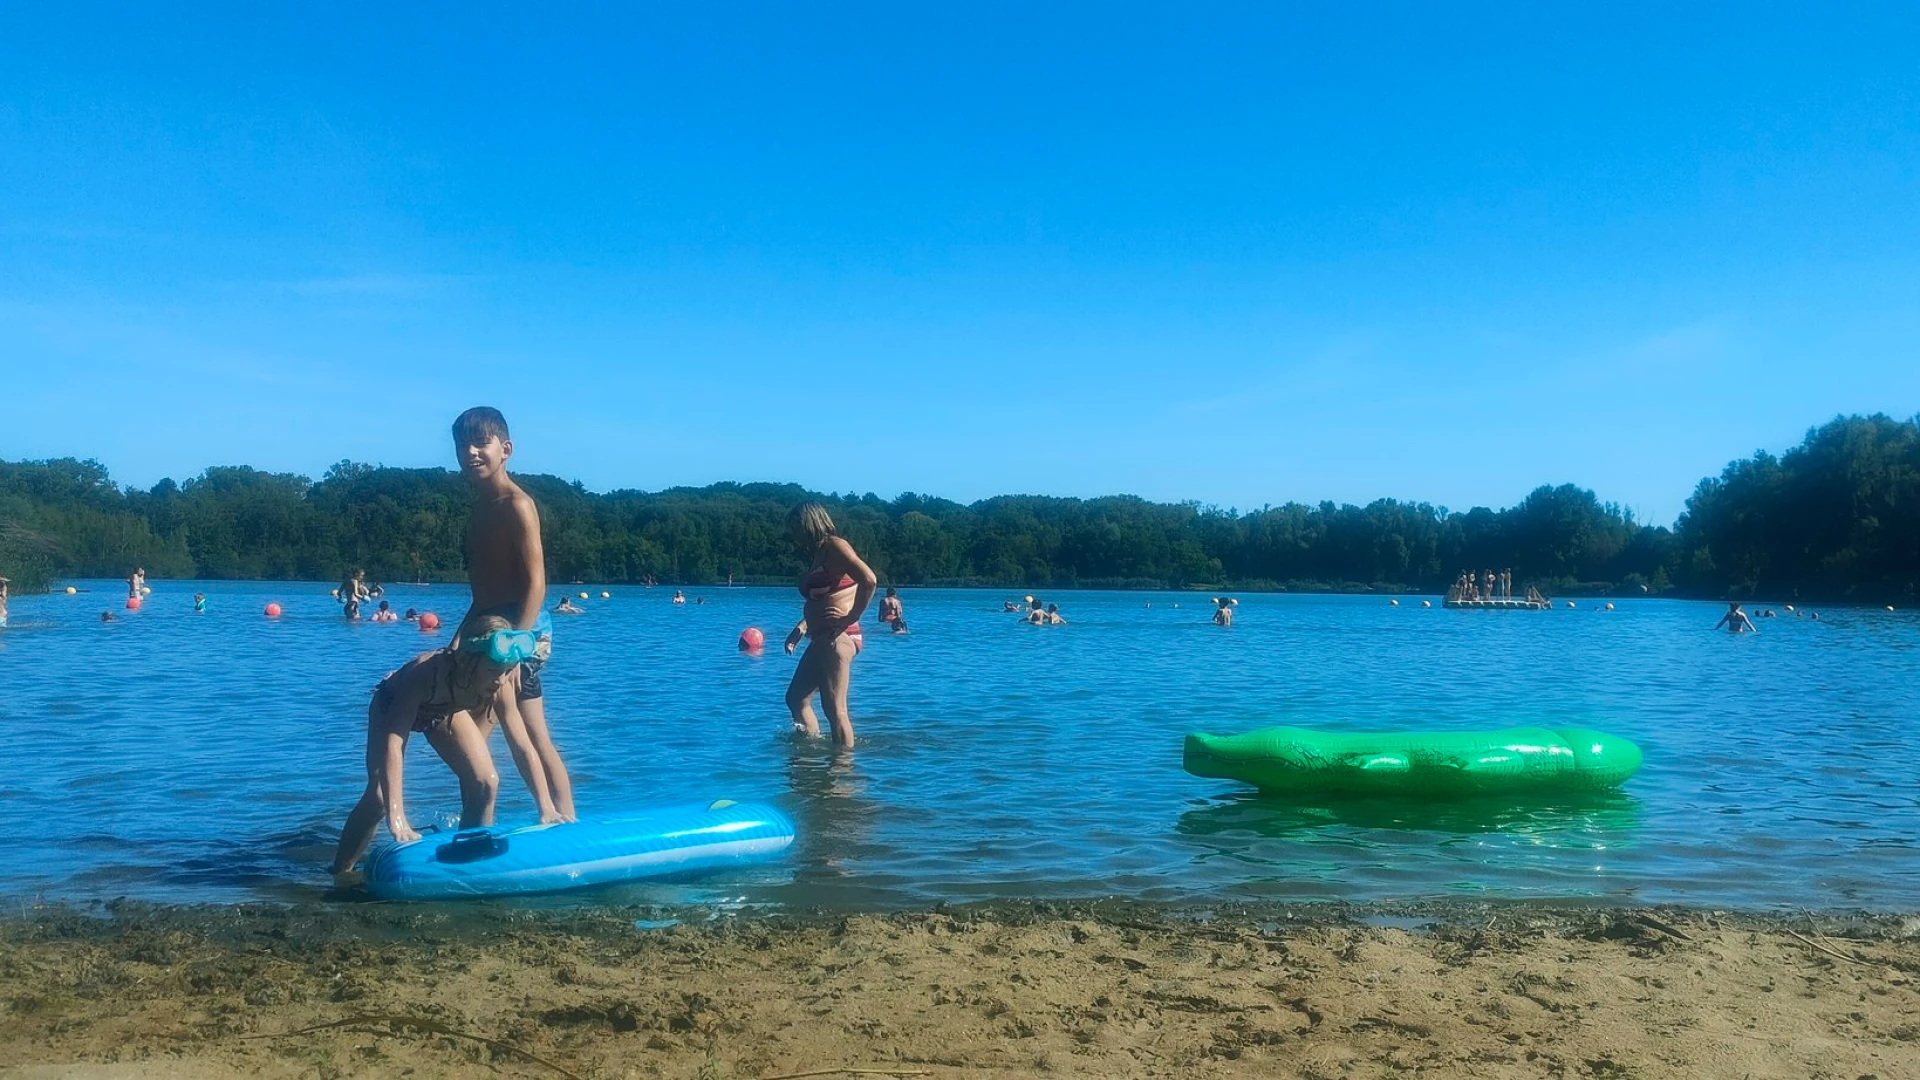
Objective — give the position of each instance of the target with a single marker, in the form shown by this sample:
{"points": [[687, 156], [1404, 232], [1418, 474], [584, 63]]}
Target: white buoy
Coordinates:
{"points": [[1426, 603], [1609, 605], [605, 595], [1395, 603]]}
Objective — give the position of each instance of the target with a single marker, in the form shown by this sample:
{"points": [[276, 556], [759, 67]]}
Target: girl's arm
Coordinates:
{"points": [[396, 756], [387, 750]]}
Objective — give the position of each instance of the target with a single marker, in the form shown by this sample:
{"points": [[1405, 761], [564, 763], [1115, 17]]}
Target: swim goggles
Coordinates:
{"points": [[504, 647]]}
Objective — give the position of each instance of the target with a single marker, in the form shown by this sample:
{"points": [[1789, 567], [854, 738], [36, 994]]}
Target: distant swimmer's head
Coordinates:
{"points": [[481, 443], [383, 605], [810, 525], [1053, 609], [891, 591], [1733, 605]]}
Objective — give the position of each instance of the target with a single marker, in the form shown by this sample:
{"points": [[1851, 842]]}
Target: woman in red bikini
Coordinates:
{"points": [[835, 591]]}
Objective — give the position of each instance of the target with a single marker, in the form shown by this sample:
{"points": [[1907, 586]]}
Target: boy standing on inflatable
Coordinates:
{"points": [[507, 569]]}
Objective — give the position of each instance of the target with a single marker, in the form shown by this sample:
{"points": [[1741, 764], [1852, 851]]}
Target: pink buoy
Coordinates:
{"points": [[752, 640], [429, 621], [273, 611], [133, 603]]}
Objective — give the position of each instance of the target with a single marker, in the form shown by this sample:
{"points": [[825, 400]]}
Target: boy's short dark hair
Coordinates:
{"points": [[478, 424]]}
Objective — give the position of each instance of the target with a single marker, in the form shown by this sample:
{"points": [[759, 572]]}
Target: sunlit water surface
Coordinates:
{"points": [[179, 757]]}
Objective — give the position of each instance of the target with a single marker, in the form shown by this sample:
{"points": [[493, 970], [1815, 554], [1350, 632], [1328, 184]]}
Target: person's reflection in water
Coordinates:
{"points": [[831, 816]]}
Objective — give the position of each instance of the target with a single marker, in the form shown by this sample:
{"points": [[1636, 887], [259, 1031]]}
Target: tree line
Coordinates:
{"points": [[1836, 518]]}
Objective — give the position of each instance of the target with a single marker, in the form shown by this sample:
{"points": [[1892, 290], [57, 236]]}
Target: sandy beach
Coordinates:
{"points": [[999, 991]]}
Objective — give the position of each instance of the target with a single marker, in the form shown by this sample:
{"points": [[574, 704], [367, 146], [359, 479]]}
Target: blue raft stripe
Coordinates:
{"points": [[543, 858]]}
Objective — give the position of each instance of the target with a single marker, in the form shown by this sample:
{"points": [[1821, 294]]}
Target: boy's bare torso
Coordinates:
{"points": [[497, 566]]}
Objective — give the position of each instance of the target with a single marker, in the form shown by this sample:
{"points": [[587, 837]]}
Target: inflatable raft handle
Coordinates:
{"points": [[471, 846]]}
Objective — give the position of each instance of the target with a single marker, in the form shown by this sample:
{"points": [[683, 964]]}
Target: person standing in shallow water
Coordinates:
{"points": [[892, 613], [1736, 621], [835, 592], [1222, 611]]}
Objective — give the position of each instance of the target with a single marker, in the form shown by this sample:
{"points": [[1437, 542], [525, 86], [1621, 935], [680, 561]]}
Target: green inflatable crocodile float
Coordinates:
{"points": [[1518, 760]]}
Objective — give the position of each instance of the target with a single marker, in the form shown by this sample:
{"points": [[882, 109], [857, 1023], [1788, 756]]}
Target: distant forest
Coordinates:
{"points": [[1836, 518]]}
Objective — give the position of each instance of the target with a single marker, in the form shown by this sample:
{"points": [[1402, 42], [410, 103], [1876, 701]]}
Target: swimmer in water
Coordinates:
{"points": [[439, 694], [1010, 606], [679, 597], [835, 592], [1222, 611], [890, 609], [3, 601], [411, 615], [199, 603], [106, 616], [137, 582], [352, 592], [568, 607], [1736, 620], [1054, 618], [1036, 612], [385, 613]]}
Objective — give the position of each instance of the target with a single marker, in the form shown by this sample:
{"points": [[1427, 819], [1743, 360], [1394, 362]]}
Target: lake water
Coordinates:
{"points": [[175, 757]]}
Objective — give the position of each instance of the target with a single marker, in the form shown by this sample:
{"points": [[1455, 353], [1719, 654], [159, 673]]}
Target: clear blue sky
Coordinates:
{"points": [[1240, 254]]}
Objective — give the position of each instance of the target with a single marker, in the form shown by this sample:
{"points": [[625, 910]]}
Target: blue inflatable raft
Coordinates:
{"points": [[499, 861]]}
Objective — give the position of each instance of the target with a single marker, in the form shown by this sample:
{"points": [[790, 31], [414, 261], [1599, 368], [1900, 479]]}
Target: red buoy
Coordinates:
{"points": [[752, 640], [429, 621], [273, 610], [133, 603]]}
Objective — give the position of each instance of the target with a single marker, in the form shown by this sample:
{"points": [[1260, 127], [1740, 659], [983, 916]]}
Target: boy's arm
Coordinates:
{"points": [[534, 560]]}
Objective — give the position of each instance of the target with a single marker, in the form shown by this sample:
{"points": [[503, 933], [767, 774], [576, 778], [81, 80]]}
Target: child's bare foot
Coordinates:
{"points": [[348, 879]]}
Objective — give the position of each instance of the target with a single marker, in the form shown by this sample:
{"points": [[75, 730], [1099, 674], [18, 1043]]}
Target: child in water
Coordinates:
{"points": [[3, 601], [507, 570], [1222, 611], [437, 694]]}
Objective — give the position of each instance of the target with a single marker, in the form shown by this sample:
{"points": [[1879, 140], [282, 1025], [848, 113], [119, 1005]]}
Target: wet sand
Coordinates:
{"points": [[995, 991]]}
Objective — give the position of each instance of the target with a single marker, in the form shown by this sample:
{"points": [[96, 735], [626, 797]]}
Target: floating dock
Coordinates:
{"points": [[1504, 603]]}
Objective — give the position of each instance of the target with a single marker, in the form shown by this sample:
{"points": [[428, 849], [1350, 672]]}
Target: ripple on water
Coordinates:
{"points": [[996, 759]]}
